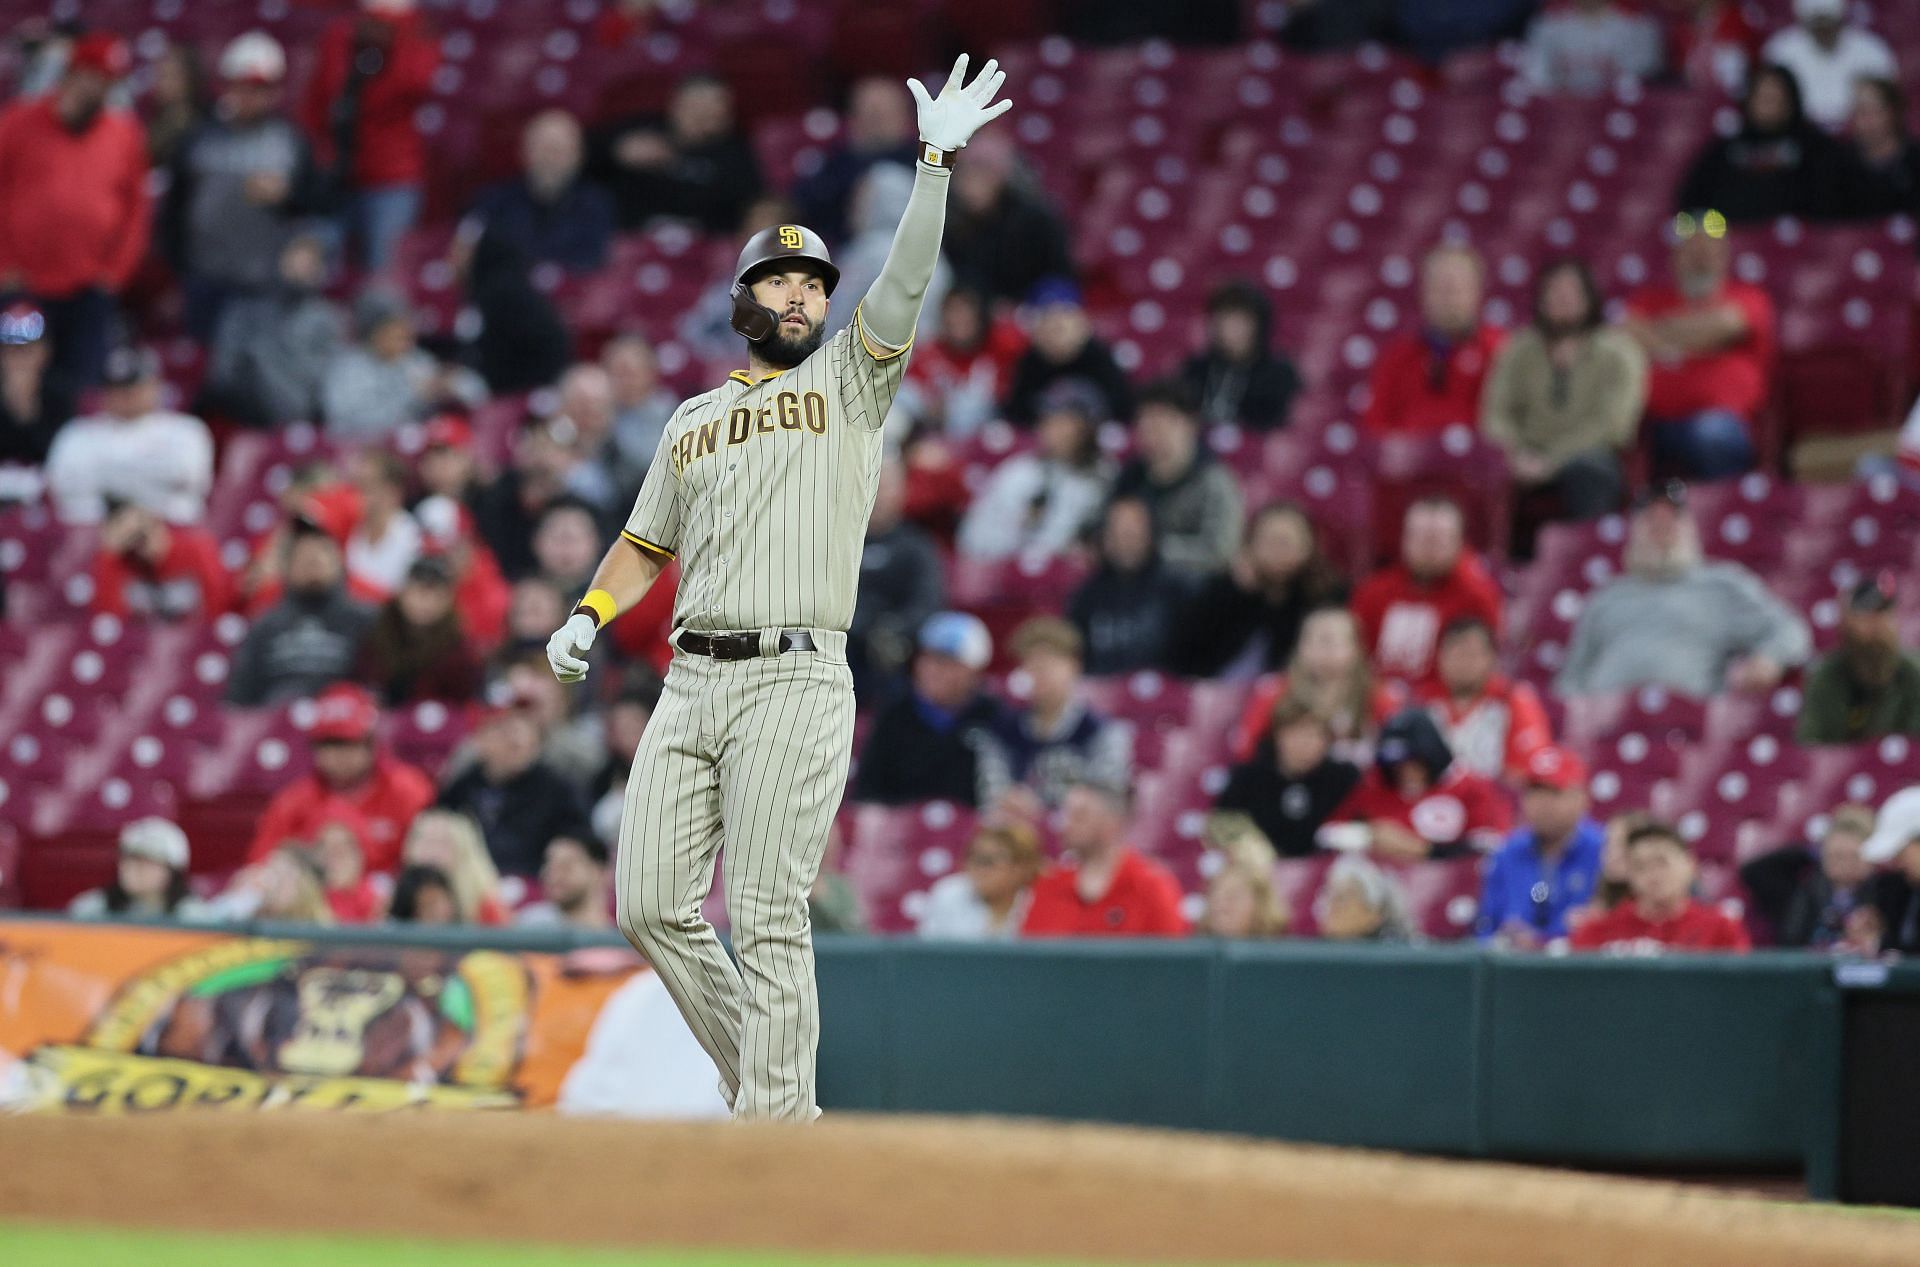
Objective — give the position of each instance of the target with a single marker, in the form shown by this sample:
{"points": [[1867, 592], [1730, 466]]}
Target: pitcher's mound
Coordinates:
{"points": [[895, 1185]]}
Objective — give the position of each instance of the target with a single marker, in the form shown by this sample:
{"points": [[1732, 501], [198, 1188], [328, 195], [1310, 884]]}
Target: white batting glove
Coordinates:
{"points": [[567, 649], [949, 121]]}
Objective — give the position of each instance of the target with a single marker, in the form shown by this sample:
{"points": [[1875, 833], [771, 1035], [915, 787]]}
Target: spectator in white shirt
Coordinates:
{"points": [[387, 539], [987, 900], [1827, 57], [1039, 504], [132, 451]]}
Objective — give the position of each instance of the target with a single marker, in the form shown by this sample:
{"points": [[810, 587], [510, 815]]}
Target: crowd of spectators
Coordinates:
{"points": [[1377, 723]]}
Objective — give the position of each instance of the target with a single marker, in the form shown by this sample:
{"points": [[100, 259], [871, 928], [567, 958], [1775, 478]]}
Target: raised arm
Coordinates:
{"points": [[891, 308]]}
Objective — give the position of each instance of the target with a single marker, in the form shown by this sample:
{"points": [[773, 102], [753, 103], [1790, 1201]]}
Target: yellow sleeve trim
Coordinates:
{"points": [[601, 604], [876, 349], [647, 545]]}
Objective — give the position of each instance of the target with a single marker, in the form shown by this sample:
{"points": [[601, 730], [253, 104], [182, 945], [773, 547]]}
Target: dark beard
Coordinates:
{"points": [[783, 351], [1870, 663]]}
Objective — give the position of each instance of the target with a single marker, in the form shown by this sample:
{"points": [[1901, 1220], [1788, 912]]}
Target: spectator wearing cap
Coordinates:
{"points": [[1662, 914], [901, 584], [1776, 164], [35, 397], [1293, 782], [1238, 377], [74, 209], [271, 349], [1587, 47], [1417, 801], [1551, 864], [1827, 56], [417, 648], [573, 887], [1064, 346], [987, 899], [642, 406], [311, 637], [384, 378], [448, 467], [1709, 339], [1039, 504], [1673, 619], [1820, 897], [1195, 501], [1869, 686], [1437, 580], [1106, 888], [372, 71], [385, 539], [1003, 234], [1057, 740], [1565, 397], [147, 568], [350, 771], [237, 185], [149, 880], [133, 450], [552, 213], [1128, 610], [1492, 723], [518, 801], [941, 741], [1247, 619], [1430, 378]]}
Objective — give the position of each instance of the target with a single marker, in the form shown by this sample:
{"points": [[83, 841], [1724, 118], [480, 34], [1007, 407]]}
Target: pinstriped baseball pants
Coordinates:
{"points": [[743, 760]]}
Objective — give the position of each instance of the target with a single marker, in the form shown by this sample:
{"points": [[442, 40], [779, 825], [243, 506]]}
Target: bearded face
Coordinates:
{"points": [[793, 340], [798, 300]]}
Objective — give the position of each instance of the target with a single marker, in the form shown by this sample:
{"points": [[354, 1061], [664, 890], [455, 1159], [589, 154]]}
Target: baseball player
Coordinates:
{"points": [[761, 489]]}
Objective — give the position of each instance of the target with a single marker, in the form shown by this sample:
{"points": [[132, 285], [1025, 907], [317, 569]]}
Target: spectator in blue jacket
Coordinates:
{"points": [[551, 213], [1548, 867], [1057, 740]]}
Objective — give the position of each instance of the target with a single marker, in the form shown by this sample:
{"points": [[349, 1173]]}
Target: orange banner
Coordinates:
{"points": [[105, 1019]]}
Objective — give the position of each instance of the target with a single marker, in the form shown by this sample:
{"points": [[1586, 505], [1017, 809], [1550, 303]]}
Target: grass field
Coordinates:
{"points": [[31, 1245]]}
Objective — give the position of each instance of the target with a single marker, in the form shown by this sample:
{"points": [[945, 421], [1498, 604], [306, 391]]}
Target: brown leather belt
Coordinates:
{"points": [[740, 646]]}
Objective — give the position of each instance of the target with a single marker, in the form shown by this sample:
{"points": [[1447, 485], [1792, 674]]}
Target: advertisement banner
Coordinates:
{"points": [[105, 1019]]}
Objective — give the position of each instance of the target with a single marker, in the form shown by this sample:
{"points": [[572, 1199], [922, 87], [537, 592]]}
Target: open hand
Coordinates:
{"points": [[949, 121]]}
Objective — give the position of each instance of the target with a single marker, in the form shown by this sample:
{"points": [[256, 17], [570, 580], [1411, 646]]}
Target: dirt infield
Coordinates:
{"points": [[894, 1185]]}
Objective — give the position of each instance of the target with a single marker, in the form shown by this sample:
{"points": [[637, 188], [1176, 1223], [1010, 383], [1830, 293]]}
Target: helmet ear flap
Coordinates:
{"points": [[752, 320]]}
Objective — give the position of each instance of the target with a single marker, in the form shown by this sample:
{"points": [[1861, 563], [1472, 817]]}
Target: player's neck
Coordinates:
{"points": [[758, 369]]}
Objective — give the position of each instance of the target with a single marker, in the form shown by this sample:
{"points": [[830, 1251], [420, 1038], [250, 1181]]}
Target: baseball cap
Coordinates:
{"points": [[1049, 291], [155, 839], [1073, 396], [1877, 593], [253, 58], [343, 714], [430, 569], [102, 52], [1557, 768], [1895, 828], [448, 431], [958, 636], [21, 324], [1672, 492], [129, 365]]}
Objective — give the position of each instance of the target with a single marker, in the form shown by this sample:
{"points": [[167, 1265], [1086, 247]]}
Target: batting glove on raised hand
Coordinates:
{"points": [[567, 649], [949, 121]]}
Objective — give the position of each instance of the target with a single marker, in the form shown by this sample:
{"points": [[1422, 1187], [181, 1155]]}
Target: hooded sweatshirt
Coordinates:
{"points": [[1460, 810], [1256, 393]]}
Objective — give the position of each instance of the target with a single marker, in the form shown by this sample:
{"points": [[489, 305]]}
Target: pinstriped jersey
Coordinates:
{"points": [[762, 490]]}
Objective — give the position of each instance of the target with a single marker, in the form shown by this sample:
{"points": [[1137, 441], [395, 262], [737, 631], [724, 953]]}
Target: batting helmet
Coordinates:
{"points": [[752, 319]]}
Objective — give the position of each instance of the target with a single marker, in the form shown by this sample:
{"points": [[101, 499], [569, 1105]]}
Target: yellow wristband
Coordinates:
{"points": [[600, 605]]}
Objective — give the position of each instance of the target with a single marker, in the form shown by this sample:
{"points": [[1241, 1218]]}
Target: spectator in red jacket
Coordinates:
{"points": [[1429, 379], [349, 769], [1492, 723], [957, 380], [372, 71], [1111, 890], [1403, 608], [1710, 339], [151, 568], [74, 210], [1663, 913], [1418, 802]]}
